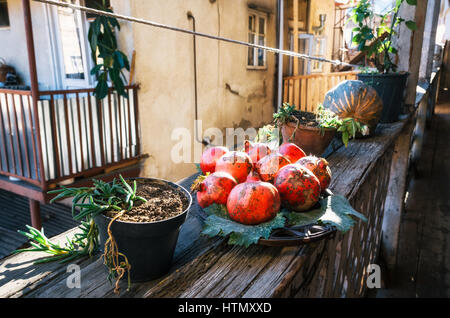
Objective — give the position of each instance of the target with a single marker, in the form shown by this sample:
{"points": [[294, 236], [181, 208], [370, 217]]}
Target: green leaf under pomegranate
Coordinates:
{"points": [[219, 224], [334, 210]]}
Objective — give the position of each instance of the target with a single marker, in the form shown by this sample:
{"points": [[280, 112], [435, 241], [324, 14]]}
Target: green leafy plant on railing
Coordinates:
{"points": [[377, 42], [325, 118], [88, 202], [348, 127], [109, 60], [284, 115]]}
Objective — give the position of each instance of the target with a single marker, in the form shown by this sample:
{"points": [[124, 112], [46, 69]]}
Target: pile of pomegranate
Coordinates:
{"points": [[256, 182]]}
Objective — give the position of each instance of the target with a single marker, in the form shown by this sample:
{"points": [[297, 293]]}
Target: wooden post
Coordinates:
{"points": [[34, 205], [429, 38], [295, 35], [35, 210], [416, 52]]}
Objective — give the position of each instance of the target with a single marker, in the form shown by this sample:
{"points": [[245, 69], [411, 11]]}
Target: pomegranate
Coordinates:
{"points": [[320, 168], [253, 202], [291, 151], [299, 188], [236, 163], [268, 166], [214, 188], [256, 151], [210, 157]]}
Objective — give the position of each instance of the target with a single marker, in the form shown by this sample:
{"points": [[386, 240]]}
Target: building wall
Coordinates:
{"points": [[316, 8], [229, 95], [13, 43]]}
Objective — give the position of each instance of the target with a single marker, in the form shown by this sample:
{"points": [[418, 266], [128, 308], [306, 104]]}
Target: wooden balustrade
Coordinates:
{"points": [[79, 134], [306, 92], [18, 155]]}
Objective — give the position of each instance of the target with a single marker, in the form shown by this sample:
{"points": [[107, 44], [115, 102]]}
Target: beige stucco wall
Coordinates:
{"points": [[165, 71], [13, 43]]}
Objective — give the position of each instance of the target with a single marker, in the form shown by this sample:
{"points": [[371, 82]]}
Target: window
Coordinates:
{"points": [[4, 18], [305, 46], [71, 42], [320, 47], [257, 28]]}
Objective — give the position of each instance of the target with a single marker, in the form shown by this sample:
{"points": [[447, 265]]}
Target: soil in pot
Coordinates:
{"points": [[147, 234], [163, 202], [308, 135]]}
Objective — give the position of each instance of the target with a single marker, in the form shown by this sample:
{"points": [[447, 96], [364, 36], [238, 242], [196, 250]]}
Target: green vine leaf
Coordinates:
{"points": [[334, 210], [219, 224], [109, 61], [411, 25]]}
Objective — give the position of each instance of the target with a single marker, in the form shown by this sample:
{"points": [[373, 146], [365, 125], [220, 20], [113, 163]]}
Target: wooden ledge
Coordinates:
{"points": [[208, 267]]}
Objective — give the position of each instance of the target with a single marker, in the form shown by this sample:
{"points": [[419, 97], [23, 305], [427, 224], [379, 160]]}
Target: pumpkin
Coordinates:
{"points": [[352, 98]]}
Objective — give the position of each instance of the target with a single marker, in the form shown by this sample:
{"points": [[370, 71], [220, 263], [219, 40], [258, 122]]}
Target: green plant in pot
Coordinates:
{"points": [[135, 222], [378, 46], [313, 132]]}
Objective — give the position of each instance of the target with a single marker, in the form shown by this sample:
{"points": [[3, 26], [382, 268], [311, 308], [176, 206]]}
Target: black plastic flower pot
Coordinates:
{"points": [[390, 88], [149, 246]]}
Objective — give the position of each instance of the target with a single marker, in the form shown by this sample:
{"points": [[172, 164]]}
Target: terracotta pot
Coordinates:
{"points": [[310, 139]]}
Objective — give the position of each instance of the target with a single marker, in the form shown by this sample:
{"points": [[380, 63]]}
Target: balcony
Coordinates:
{"points": [[69, 137]]}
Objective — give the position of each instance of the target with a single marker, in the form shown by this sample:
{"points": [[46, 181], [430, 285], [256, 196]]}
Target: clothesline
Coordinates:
{"points": [[214, 37]]}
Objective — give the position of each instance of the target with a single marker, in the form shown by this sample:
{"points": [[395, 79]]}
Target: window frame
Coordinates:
{"points": [[257, 14], [319, 44], [6, 27]]}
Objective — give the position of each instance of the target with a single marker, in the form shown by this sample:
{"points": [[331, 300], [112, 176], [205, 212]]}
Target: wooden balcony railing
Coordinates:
{"points": [[307, 91], [79, 135]]}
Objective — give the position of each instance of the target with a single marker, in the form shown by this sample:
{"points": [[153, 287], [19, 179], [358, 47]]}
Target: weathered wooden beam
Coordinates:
{"points": [[395, 198], [429, 38]]}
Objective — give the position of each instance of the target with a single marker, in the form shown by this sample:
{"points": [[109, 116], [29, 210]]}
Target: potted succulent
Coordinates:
{"points": [[378, 46], [313, 132], [303, 129], [135, 222]]}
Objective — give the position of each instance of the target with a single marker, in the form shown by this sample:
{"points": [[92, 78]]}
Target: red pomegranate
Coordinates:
{"points": [[298, 187], [214, 188], [268, 166], [210, 157], [320, 168], [256, 151], [291, 151], [253, 202], [236, 163]]}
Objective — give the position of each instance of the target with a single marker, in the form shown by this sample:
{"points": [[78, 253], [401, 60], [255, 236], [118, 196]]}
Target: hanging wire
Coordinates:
{"points": [[219, 38]]}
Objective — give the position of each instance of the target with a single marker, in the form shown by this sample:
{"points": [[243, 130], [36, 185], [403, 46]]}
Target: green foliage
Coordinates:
{"points": [[284, 114], [109, 61], [83, 244], [334, 210], [87, 202], [91, 201], [348, 127], [219, 224], [269, 135], [377, 48]]}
